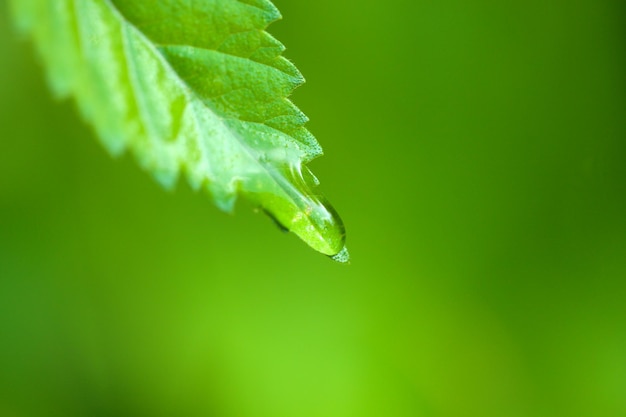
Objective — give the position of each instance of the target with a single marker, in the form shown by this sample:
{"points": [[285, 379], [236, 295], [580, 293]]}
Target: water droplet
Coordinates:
{"points": [[342, 257], [289, 199]]}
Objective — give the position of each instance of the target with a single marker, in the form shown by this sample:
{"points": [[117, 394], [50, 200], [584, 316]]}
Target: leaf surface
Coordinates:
{"points": [[193, 88]]}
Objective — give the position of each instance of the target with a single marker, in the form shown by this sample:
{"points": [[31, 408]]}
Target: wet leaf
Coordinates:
{"points": [[197, 89]]}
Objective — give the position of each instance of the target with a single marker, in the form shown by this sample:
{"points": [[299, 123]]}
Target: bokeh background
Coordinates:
{"points": [[477, 153]]}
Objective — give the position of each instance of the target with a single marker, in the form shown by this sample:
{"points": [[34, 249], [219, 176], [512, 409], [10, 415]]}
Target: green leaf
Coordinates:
{"points": [[194, 88]]}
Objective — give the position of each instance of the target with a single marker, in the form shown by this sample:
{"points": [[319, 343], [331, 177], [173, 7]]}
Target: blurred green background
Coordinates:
{"points": [[477, 153]]}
